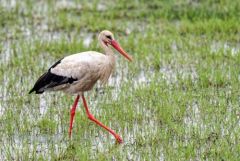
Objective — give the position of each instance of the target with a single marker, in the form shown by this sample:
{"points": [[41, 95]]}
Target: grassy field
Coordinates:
{"points": [[178, 100]]}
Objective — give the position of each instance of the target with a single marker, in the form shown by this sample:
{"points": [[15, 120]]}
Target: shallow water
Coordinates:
{"points": [[6, 52], [39, 144], [140, 134], [227, 48], [172, 73], [87, 40]]}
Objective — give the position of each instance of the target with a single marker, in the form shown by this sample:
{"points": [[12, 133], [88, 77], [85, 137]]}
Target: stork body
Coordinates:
{"points": [[78, 73]]}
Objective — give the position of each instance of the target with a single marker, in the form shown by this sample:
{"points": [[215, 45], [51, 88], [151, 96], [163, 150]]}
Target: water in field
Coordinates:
{"points": [[177, 100]]}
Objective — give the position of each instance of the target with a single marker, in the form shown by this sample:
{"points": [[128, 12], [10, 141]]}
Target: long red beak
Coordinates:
{"points": [[120, 49]]}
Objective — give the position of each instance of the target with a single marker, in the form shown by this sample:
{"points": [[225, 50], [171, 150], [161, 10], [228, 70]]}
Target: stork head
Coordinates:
{"points": [[106, 38]]}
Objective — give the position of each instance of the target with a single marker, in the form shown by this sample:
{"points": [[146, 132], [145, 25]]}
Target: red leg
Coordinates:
{"points": [[72, 114], [91, 117]]}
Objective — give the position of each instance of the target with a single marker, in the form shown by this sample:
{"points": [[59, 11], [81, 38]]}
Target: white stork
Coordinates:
{"points": [[78, 73]]}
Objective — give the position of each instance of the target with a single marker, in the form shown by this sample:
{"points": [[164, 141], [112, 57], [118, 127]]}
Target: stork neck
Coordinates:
{"points": [[107, 50], [109, 53]]}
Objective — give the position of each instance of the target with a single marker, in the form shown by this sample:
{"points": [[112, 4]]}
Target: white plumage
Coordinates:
{"points": [[86, 67]]}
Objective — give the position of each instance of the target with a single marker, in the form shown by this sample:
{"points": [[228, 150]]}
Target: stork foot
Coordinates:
{"points": [[118, 139]]}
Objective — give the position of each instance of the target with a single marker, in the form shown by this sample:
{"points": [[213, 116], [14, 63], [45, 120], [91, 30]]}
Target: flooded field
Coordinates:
{"points": [[178, 100]]}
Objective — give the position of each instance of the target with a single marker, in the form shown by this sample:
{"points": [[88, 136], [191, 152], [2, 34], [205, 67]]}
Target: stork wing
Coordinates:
{"points": [[68, 70]]}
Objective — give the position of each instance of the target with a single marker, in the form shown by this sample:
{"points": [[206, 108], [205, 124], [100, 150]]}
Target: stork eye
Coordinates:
{"points": [[109, 37]]}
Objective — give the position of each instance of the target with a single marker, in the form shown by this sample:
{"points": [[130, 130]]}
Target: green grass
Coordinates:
{"points": [[178, 100]]}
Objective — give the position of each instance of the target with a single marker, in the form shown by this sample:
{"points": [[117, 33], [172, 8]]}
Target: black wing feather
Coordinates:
{"points": [[49, 80]]}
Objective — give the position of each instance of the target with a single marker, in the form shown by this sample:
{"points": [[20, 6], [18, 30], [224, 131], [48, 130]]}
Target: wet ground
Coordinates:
{"points": [[178, 100]]}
